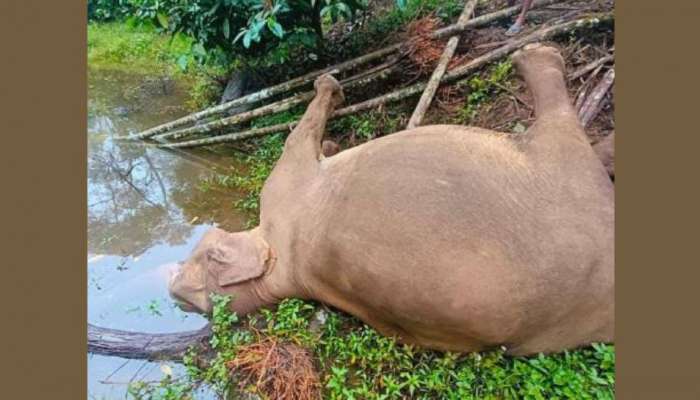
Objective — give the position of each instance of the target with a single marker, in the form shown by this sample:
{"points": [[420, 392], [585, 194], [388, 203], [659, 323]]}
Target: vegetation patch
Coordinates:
{"points": [[140, 49], [276, 369], [345, 359]]}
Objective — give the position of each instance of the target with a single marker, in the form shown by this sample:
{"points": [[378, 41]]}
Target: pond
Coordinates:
{"points": [[145, 213]]}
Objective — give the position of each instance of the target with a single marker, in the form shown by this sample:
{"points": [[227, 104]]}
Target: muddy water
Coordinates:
{"points": [[145, 213]]}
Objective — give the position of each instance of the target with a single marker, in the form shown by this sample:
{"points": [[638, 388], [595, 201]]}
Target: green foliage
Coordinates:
{"points": [[142, 50], [108, 10], [356, 362], [364, 126], [134, 48], [482, 88], [154, 308], [259, 166], [369, 125], [224, 341], [228, 29], [387, 23], [166, 389]]}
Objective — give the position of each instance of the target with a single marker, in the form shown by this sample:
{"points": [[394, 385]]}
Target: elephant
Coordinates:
{"points": [[446, 237]]}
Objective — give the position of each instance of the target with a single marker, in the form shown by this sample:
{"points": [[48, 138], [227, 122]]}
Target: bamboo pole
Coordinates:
{"points": [[447, 54], [276, 107], [363, 78], [334, 69], [403, 93]]}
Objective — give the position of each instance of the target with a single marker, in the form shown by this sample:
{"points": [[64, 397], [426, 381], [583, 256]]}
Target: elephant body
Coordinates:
{"points": [[448, 237]]}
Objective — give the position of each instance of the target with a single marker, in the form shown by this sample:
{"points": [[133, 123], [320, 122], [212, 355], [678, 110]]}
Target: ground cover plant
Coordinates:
{"points": [[331, 354], [140, 49], [314, 352]]}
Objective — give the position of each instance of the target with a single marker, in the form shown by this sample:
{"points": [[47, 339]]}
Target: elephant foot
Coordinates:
{"points": [[327, 83], [535, 58]]}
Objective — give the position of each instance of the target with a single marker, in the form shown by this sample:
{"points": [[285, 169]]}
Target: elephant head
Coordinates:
{"points": [[224, 263]]}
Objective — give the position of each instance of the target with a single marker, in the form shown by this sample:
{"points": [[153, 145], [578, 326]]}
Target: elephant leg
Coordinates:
{"points": [[329, 148], [556, 129], [304, 143]]}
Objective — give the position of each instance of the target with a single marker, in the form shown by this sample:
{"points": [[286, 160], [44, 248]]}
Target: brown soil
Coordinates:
{"points": [[511, 107]]}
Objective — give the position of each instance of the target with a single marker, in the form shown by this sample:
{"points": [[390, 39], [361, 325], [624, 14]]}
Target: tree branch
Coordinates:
{"points": [[146, 346]]}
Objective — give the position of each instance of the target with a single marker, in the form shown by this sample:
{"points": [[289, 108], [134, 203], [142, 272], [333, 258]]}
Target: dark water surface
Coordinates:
{"points": [[145, 213]]}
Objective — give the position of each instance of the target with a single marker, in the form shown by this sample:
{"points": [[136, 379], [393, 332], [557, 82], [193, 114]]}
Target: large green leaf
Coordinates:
{"points": [[182, 62], [199, 51], [275, 28], [226, 28], [246, 39], [162, 20]]}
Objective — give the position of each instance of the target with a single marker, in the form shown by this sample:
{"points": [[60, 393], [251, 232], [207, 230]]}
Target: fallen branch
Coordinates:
{"points": [[403, 93], [145, 346], [590, 67], [272, 108], [335, 69], [594, 102], [447, 54]]}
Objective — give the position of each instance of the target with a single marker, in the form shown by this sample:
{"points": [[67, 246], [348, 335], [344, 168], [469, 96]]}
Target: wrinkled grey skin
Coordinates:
{"points": [[449, 237]]}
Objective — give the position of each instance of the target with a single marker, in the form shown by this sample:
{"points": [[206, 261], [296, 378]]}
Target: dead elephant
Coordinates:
{"points": [[449, 237]]}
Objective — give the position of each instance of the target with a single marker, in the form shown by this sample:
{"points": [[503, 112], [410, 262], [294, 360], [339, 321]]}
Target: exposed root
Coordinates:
{"points": [[277, 370], [423, 51]]}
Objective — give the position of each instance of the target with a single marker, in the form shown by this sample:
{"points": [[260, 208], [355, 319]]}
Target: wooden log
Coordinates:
{"points": [[334, 69], [453, 75], [272, 108], [590, 67], [363, 78], [594, 102], [434, 81], [486, 19], [145, 346]]}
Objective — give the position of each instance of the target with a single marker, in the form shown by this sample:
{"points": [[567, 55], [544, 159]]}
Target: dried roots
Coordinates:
{"points": [[276, 370]]}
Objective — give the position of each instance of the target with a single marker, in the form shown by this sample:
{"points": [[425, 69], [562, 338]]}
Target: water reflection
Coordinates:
{"points": [[145, 213]]}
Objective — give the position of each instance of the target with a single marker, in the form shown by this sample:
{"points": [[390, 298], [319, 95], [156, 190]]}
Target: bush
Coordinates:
{"points": [[231, 29]]}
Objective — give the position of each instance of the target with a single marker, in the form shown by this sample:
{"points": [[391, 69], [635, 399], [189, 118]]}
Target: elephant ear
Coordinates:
{"points": [[236, 262]]}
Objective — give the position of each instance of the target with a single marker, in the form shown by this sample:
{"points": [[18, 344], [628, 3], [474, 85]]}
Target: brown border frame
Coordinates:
{"points": [[43, 201], [656, 89], [43, 123]]}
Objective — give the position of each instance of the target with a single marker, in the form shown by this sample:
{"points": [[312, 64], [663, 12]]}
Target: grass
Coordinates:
{"points": [[481, 89], [142, 50], [356, 362]]}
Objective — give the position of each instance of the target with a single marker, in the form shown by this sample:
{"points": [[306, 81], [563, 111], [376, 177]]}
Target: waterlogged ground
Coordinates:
{"points": [[145, 213]]}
